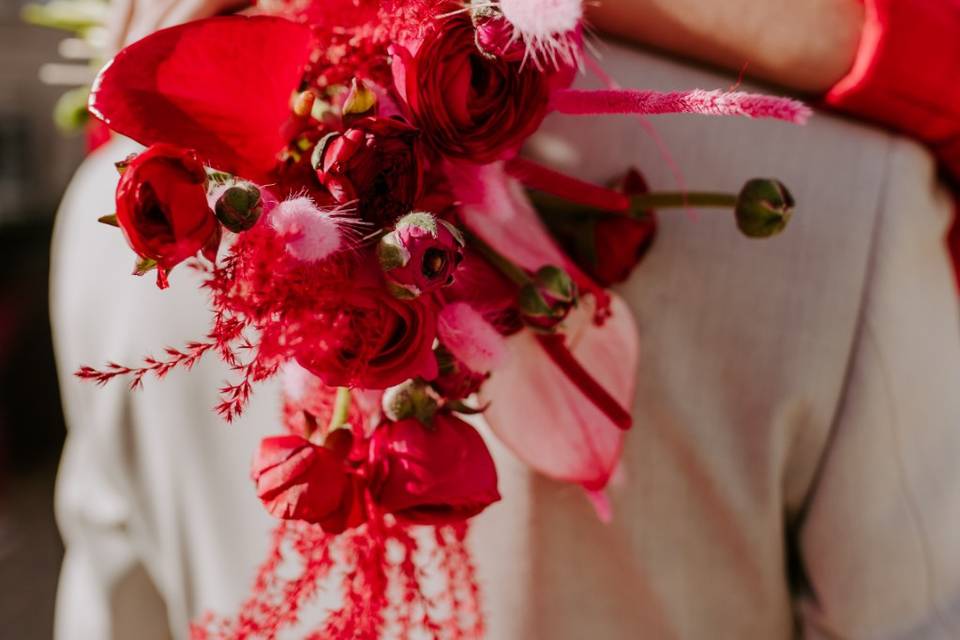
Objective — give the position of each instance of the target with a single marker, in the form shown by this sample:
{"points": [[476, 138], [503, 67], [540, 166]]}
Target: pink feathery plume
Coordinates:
{"points": [[699, 101]]}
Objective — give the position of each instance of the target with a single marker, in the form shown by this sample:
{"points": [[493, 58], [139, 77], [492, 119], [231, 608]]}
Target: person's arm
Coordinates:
{"points": [[807, 46]]}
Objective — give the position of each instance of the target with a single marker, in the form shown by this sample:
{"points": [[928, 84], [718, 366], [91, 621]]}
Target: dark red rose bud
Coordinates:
{"points": [[431, 475], [375, 163], [162, 207], [546, 301], [239, 207], [298, 480], [420, 254]]}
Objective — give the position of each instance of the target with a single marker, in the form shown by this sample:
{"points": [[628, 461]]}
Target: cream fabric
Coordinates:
{"points": [[792, 472]]}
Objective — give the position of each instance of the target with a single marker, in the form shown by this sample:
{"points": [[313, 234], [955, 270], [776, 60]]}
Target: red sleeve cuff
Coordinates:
{"points": [[906, 74]]}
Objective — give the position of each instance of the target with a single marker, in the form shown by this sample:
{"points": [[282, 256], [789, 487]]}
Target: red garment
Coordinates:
{"points": [[906, 76]]}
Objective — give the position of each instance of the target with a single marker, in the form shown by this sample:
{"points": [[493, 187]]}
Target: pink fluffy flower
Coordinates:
{"points": [[311, 233]]}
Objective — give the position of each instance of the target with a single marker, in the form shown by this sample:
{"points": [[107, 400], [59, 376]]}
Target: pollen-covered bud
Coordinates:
{"points": [[420, 254], [412, 399], [545, 302], [239, 207], [763, 208]]}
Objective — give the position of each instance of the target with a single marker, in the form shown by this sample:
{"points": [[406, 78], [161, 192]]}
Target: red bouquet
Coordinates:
{"points": [[349, 175]]}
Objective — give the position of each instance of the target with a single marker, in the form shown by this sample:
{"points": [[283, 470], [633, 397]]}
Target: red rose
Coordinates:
{"points": [[370, 340], [431, 475], [375, 163], [162, 207], [466, 104], [298, 480]]}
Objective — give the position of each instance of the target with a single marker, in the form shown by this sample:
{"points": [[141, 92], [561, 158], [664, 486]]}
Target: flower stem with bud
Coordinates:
{"points": [[341, 409]]}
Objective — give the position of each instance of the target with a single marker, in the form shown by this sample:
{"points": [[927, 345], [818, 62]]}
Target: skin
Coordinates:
{"points": [[806, 46]]}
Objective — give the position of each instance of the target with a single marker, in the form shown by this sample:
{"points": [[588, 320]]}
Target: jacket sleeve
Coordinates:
{"points": [[878, 538], [105, 590]]}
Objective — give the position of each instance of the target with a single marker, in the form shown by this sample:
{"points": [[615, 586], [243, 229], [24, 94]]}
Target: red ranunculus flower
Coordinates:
{"points": [[466, 104], [376, 162], [431, 474], [162, 207], [370, 340], [298, 480]]}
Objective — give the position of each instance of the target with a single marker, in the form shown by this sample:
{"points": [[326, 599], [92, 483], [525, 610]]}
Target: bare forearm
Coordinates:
{"points": [[807, 45]]}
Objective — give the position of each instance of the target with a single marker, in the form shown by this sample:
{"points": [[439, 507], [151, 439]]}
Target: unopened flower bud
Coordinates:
{"points": [[547, 300], [360, 101], [411, 399], [239, 207], [420, 254], [494, 35], [764, 207], [303, 103]]}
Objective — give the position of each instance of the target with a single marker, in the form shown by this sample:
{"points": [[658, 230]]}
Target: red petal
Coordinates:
{"points": [[221, 86]]}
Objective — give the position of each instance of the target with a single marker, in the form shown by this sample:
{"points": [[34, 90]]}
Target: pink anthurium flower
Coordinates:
{"points": [[559, 431], [221, 86], [563, 432]]}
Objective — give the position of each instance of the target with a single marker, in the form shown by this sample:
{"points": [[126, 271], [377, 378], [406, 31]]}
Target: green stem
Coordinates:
{"points": [[639, 204], [512, 271], [341, 409]]}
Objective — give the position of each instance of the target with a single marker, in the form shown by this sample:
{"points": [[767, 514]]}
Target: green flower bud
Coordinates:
{"points": [[546, 301], [412, 399], [239, 207], [763, 208]]}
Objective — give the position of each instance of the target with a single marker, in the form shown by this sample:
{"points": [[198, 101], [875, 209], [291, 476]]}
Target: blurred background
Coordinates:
{"points": [[39, 64]]}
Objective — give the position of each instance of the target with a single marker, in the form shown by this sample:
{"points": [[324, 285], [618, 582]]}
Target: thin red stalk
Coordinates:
{"points": [[556, 349], [714, 103], [536, 176]]}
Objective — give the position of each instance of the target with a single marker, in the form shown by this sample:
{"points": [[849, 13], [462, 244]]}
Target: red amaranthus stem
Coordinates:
{"points": [[187, 358], [712, 103]]}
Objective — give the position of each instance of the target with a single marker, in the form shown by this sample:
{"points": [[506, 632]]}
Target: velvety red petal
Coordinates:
{"points": [[221, 86]]}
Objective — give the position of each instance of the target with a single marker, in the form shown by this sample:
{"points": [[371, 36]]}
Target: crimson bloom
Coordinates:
{"points": [[370, 340], [432, 474], [375, 162], [468, 105], [221, 86], [298, 480], [162, 207]]}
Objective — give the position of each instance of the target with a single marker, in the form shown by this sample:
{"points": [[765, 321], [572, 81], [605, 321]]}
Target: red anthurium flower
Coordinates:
{"points": [[432, 474], [298, 480], [221, 86]]}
